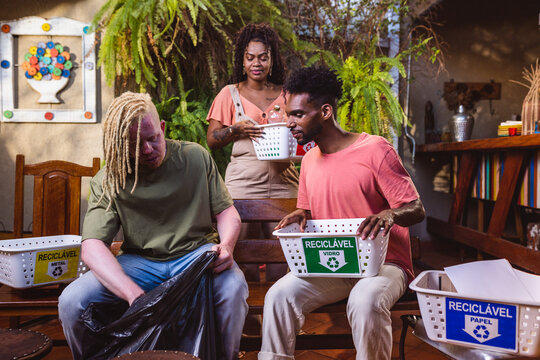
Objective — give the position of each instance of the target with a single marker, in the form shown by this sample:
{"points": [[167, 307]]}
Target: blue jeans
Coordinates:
{"points": [[230, 294]]}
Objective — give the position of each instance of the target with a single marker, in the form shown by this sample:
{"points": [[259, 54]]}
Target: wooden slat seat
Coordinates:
{"points": [[29, 302]]}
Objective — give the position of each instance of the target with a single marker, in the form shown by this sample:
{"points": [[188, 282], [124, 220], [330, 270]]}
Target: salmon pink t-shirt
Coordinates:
{"points": [[361, 180]]}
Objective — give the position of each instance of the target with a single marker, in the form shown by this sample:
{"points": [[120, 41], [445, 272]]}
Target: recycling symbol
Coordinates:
{"points": [[57, 271], [332, 262], [481, 332]]}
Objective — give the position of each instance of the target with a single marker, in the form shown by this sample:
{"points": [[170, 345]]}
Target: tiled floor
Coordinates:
{"points": [[415, 349]]}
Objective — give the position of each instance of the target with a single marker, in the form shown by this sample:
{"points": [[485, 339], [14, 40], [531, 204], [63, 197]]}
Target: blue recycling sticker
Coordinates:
{"points": [[481, 323]]}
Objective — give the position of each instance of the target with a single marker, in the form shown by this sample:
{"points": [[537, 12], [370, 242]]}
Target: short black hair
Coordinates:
{"points": [[321, 83], [265, 34]]}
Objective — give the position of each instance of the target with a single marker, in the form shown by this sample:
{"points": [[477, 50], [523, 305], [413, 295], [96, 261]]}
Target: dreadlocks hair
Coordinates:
{"points": [[265, 34], [321, 83], [125, 110]]}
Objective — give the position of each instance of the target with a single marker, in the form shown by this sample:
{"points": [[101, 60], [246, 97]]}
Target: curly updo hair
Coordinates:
{"points": [[265, 34], [321, 83]]}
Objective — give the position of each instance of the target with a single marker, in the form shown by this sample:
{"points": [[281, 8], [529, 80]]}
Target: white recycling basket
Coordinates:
{"points": [[505, 326], [29, 262], [330, 248], [278, 144]]}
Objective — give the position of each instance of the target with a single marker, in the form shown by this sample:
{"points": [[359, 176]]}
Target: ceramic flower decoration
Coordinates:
{"points": [[47, 69]]}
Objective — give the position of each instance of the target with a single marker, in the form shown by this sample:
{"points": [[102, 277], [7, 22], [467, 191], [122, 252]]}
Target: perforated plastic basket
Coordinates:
{"points": [[330, 248], [43, 260], [278, 144], [505, 326]]}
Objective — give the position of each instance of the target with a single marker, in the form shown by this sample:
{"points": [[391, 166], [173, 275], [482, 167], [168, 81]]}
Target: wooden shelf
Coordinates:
{"points": [[518, 150], [492, 144]]}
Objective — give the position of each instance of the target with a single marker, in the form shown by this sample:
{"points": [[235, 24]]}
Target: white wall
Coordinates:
{"points": [[46, 141]]}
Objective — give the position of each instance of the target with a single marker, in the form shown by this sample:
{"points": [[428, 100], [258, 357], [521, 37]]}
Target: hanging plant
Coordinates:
{"points": [[368, 103], [166, 44]]}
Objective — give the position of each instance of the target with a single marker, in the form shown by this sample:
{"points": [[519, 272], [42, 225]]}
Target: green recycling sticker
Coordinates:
{"points": [[331, 255]]}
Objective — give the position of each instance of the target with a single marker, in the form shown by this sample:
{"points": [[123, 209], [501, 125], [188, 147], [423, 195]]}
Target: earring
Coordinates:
{"points": [[243, 71], [270, 72]]}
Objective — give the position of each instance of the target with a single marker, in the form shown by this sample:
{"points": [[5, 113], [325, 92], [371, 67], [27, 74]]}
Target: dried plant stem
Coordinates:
{"points": [[531, 107]]}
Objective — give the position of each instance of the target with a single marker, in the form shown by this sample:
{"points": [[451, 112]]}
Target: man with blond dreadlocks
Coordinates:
{"points": [[163, 194]]}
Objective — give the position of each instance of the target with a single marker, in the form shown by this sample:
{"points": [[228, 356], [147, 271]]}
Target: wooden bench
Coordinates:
{"points": [[268, 251], [44, 300]]}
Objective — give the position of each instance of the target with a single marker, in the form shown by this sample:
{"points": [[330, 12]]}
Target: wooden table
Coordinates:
{"points": [[517, 149]]}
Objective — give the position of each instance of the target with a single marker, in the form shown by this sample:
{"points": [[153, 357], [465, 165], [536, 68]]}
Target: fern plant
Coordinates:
{"points": [[186, 120], [344, 35], [164, 44], [144, 38], [368, 103]]}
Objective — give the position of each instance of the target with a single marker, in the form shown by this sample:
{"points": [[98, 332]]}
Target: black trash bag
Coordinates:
{"points": [[176, 315]]}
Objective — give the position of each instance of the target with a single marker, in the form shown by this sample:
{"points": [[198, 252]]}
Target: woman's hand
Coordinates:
{"points": [[247, 128], [219, 135]]}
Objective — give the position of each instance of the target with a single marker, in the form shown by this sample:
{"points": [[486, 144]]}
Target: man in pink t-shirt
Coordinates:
{"points": [[347, 176]]}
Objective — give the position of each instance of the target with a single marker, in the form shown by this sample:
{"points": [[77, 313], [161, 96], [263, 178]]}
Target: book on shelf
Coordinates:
{"points": [[509, 128]]}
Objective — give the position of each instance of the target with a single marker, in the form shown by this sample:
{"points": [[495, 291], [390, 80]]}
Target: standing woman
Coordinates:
{"points": [[257, 78]]}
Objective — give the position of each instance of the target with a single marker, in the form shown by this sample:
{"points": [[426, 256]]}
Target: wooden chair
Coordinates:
{"points": [[56, 211], [57, 196]]}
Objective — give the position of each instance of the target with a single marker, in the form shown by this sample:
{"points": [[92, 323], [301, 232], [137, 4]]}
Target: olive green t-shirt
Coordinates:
{"points": [[170, 212]]}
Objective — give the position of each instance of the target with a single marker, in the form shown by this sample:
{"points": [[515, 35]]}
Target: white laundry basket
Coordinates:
{"points": [[278, 144], [28, 262], [330, 248], [505, 326]]}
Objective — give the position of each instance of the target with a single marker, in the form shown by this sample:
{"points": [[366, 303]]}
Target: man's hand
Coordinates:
{"points": [[108, 271], [224, 260], [405, 215], [135, 297], [298, 216], [371, 226]]}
